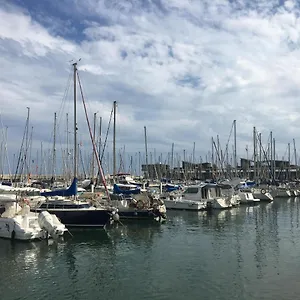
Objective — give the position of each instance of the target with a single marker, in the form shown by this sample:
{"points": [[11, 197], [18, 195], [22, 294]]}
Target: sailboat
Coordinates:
{"points": [[128, 198], [71, 212]]}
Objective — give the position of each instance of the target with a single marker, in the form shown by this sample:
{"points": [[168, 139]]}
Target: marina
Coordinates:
{"points": [[249, 251], [149, 150]]}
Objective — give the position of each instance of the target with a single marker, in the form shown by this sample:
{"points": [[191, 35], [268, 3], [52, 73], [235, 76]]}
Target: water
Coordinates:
{"points": [[242, 253]]}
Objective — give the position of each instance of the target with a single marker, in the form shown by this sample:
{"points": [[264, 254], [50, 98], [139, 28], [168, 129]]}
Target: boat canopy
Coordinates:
{"points": [[126, 191], [71, 191]]}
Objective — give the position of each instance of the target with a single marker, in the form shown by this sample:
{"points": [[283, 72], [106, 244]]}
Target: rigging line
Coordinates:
{"points": [[60, 114], [82, 162], [20, 152], [62, 104], [267, 160], [66, 92], [86, 99], [226, 149], [107, 132]]}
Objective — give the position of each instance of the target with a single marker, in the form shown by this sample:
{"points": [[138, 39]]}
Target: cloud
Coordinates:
{"points": [[184, 69]]}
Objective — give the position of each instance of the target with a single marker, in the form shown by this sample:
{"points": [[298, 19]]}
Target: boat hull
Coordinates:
{"points": [[82, 217], [9, 229], [184, 205], [218, 203], [141, 215]]}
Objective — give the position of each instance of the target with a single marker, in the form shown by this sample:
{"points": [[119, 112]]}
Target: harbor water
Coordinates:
{"points": [[247, 252]]}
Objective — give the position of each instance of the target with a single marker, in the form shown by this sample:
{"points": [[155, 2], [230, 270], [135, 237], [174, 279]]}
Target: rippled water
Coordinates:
{"points": [[242, 253]]}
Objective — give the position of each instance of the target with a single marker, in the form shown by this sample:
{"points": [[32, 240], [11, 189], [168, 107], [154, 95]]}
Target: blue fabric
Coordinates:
{"points": [[71, 191]]}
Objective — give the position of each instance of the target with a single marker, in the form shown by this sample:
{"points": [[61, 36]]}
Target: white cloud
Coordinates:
{"points": [[185, 69]]}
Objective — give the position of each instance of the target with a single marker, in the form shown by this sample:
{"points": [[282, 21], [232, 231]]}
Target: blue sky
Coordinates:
{"points": [[184, 69]]}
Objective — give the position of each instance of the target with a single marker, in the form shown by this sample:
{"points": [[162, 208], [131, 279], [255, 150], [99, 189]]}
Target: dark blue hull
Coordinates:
{"points": [[81, 218], [140, 215]]}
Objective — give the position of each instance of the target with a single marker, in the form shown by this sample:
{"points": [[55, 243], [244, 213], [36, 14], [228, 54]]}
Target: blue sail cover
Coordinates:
{"points": [[71, 191], [119, 190], [171, 187]]}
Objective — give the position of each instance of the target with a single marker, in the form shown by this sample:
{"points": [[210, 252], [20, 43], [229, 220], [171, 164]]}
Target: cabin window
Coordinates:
{"points": [[191, 190], [213, 192], [204, 193]]}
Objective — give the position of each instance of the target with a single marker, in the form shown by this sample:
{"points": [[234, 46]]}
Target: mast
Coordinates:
{"points": [[26, 138], [218, 161], [193, 159], [172, 161], [75, 122], [146, 151], [30, 149], [114, 144], [42, 161], [68, 154], [234, 148], [254, 153], [289, 161], [295, 155], [212, 156], [54, 148], [139, 163], [274, 160], [100, 136], [248, 164], [271, 154], [260, 157], [93, 156]]}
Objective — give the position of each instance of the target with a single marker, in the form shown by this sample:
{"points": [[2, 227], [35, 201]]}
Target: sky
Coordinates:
{"points": [[184, 69]]}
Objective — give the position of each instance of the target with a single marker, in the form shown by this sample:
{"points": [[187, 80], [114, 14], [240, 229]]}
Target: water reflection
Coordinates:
{"points": [[227, 228]]}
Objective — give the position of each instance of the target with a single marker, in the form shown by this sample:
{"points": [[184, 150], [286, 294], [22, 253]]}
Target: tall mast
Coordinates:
{"points": [[271, 154], [146, 151], [212, 155], [114, 144], [172, 160], [42, 161], [93, 156], [260, 155], [295, 155], [67, 150], [26, 139], [254, 153], [289, 161], [100, 137], [75, 122], [30, 149], [274, 162], [218, 161], [139, 163], [234, 149]]}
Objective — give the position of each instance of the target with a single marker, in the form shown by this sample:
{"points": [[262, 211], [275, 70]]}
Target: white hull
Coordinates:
{"points": [[262, 195], [183, 204], [219, 203], [247, 198], [282, 193]]}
